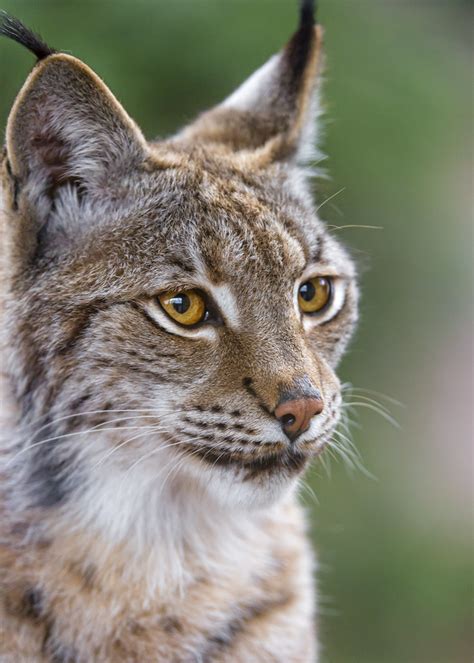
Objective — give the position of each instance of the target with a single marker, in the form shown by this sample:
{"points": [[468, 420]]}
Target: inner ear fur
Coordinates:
{"points": [[271, 115], [66, 125]]}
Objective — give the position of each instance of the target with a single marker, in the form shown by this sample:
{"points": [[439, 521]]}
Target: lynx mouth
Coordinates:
{"points": [[288, 460]]}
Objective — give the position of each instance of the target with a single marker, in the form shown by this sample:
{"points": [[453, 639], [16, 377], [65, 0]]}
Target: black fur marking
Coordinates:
{"points": [[208, 437], [14, 29], [308, 11], [300, 46], [28, 606], [54, 650], [244, 429], [298, 50], [49, 479], [33, 602], [292, 461], [84, 319], [79, 402], [225, 638], [199, 424], [213, 456], [239, 440]]}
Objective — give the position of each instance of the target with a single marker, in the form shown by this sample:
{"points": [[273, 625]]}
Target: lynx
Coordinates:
{"points": [[173, 315]]}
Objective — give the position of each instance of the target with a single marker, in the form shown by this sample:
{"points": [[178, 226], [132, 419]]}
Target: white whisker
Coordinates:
{"points": [[53, 422], [379, 411], [334, 195], [332, 227], [68, 435], [114, 449]]}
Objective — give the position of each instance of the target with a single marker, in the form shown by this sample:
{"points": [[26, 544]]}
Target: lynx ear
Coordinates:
{"points": [[273, 113], [67, 127]]}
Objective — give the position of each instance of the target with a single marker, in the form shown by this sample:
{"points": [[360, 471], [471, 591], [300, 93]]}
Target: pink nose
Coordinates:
{"points": [[295, 416]]}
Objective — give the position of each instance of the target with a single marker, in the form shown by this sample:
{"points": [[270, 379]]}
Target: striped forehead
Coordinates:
{"points": [[230, 261], [248, 250]]}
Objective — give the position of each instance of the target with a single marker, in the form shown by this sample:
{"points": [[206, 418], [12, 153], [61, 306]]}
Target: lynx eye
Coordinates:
{"points": [[315, 294], [186, 307]]}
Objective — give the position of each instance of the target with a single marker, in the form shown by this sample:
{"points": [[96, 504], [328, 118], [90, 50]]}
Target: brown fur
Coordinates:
{"points": [[183, 541], [225, 617]]}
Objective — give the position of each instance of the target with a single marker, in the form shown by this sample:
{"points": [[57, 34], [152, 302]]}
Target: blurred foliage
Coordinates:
{"points": [[395, 554]]}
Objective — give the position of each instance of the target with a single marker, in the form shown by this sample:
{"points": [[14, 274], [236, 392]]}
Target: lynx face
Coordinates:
{"points": [[175, 309]]}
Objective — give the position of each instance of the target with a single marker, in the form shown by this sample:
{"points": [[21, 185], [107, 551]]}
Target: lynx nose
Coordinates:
{"points": [[295, 415]]}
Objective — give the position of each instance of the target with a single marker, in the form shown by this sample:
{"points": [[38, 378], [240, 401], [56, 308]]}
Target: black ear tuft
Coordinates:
{"points": [[14, 29], [308, 13], [299, 48]]}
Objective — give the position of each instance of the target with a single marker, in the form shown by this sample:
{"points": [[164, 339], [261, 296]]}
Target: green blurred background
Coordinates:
{"points": [[395, 552]]}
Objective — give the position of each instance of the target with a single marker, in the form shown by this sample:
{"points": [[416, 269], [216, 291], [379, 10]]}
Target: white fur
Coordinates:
{"points": [[158, 523], [224, 297], [249, 95]]}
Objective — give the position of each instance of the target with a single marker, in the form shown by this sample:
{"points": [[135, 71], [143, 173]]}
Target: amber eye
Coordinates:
{"points": [[314, 295], [187, 307]]}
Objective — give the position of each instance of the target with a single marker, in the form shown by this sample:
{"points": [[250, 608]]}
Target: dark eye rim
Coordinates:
{"points": [[323, 309], [211, 313]]}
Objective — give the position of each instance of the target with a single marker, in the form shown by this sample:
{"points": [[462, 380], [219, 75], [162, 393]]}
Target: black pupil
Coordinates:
{"points": [[307, 291], [180, 303]]}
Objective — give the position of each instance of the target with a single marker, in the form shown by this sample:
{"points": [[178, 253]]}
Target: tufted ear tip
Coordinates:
{"points": [[14, 29], [272, 114], [308, 12], [302, 51]]}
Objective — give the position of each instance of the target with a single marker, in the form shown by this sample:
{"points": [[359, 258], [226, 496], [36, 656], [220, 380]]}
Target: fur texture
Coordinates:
{"points": [[148, 491]]}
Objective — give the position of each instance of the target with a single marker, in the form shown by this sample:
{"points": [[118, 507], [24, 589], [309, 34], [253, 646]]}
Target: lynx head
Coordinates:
{"points": [[174, 309]]}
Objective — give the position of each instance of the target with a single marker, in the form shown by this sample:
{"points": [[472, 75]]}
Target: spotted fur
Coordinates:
{"points": [[148, 493]]}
